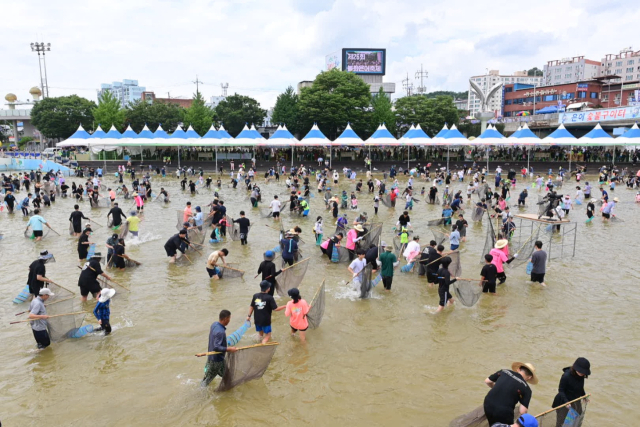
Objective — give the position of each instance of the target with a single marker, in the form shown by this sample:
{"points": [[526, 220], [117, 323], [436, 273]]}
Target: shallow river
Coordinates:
{"points": [[383, 361]]}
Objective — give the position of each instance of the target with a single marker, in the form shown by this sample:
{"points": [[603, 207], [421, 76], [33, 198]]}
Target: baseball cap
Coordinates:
{"points": [[46, 291]]}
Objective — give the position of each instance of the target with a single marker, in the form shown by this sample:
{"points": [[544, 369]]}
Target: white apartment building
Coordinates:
{"points": [[487, 81], [626, 64], [125, 91], [570, 70]]}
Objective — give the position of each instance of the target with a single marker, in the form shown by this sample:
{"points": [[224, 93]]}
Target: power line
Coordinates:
{"points": [[197, 83]]}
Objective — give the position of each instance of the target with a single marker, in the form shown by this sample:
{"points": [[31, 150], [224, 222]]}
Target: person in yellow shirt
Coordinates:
{"points": [[134, 223]]}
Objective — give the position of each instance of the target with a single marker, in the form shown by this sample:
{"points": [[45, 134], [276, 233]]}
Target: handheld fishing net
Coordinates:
{"points": [[523, 242], [435, 222], [316, 308], [467, 291], [438, 235], [476, 418], [60, 292], [455, 268], [196, 235], [386, 200], [129, 263], [246, 364], [106, 283], [489, 241], [180, 216], [563, 416], [124, 230], [29, 232], [234, 232], [365, 282], [102, 202], [340, 254], [234, 338], [291, 277], [230, 273], [372, 236], [477, 214], [265, 212], [62, 327]]}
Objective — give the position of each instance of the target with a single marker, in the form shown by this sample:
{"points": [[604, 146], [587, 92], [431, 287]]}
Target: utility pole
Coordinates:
{"points": [[197, 83], [224, 87], [407, 85], [42, 47], [169, 95], [422, 74]]}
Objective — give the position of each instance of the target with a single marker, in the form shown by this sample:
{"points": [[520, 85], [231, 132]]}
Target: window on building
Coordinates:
{"points": [[630, 62], [629, 77], [567, 76], [550, 98], [605, 98], [618, 63], [630, 70], [593, 95], [568, 95], [618, 71], [558, 70], [569, 68], [582, 94]]}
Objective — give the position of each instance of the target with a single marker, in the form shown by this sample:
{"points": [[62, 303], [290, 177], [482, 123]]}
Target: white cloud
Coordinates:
{"points": [[260, 48]]}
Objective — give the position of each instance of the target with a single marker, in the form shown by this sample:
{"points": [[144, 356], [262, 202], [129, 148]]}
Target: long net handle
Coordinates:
{"points": [[209, 353], [317, 293], [527, 241], [293, 265], [55, 315], [586, 396]]}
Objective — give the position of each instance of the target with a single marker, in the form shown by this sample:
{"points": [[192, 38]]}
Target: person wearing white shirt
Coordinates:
{"points": [[275, 208], [356, 267], [499, 170], [413, 249]]}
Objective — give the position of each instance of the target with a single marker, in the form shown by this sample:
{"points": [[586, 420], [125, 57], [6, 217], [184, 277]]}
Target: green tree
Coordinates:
{"points": [[473, 129], [335, 99], [287, 110], [382, 112], [108, 112], [60, 117], [141, 112], [238, 110], [199, 115], [454, 95], [535, 71], [430, 113], [25, 140]]}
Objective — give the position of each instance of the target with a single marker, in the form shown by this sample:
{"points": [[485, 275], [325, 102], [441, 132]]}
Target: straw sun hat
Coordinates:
{"points": [[517, 365]]}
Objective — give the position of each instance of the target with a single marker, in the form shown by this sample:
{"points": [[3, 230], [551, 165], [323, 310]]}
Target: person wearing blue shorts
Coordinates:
{"points": [[263, 304]]}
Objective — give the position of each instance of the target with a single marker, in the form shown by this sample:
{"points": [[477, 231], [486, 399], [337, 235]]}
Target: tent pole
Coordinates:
{"points": [[529, 160], [330, 155], [447, 159], [292, 156], [570, 161], [487, 174], [613, 159], [369, 158], [408, 155], [178, 157], [216, 149]]}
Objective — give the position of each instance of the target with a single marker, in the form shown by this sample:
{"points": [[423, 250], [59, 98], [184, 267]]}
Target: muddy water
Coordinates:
{"points": [[387, 360]]}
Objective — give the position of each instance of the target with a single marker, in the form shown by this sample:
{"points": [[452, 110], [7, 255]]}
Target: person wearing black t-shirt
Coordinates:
{"points": [[76, 218], [433, 264], [425, 255], [263, 304], [83, 244], [488, 275], [508, 387], [88, 280], [116, 215], [404, 220], [444, 281], [269, 271], [244, 224], [37, 273]]}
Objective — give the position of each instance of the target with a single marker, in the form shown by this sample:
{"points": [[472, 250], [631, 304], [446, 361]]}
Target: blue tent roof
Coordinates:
{"points": [[179, 133], [282, 133], [223, 133], [212, 133], [129, 133], [99, 133], [160, 133], [416, 133], [191, 133], [253, 130], [247, 133], [314, 133], [561, 133], [442, 132], [113, 133], [491, 133], [454, 133], [80, 134], [548, 110], [633, 133], [349, 133], [145, 133], [597, 132], [382, 132], [524, 132]]}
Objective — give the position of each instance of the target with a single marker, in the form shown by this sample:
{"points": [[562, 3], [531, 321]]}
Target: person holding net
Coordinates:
{"points": [[571, 387], [297, 310], [217, 342], [263, 305], [444, 282], [508, 388], [356, 267]]}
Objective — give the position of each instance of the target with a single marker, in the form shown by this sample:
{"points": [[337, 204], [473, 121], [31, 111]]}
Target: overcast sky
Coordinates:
{"points": [[261, 47]]}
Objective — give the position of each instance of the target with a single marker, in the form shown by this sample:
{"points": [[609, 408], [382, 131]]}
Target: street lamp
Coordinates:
{"points": [[42, 47]]}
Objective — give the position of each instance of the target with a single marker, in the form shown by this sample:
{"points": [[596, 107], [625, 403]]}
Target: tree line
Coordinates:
{"points": [[335, 99]]}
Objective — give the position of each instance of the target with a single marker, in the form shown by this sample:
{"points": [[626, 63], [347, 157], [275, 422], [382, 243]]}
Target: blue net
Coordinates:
{"points": [[235, 337]]}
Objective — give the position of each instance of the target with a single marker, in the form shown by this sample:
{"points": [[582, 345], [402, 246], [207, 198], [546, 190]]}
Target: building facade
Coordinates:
{"points": [[125, 91], [486, 81], [520, 99], [150, 97], [625, 66], [570, 70]]}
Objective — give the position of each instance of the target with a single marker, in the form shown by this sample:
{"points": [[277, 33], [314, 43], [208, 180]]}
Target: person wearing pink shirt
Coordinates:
{"points": [[139, 202], [187, 212], [112, 195], [352, 238], [499, 257], [297, 310]]}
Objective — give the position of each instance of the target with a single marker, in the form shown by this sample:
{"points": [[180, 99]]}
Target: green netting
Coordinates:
{"points": [[291, 277], [316, 308], [246, 364]]}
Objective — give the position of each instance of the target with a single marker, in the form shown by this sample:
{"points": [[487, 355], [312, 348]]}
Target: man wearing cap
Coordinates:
{"points": [[175, 244], [133, 223], [37, 273], [217, 342], [88, 280], [388, 261], [76, 218], [212, 261], [289, 247], [268, 270], [38, 315], [263, 305], [116, 215], [508, 387], [102, 311], [36, 222]]}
